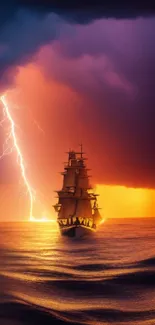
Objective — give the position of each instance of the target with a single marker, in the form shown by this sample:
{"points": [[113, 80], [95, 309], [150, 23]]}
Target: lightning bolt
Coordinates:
{"points": [[15, 146]]}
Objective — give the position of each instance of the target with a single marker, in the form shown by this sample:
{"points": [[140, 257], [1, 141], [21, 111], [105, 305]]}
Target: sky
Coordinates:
{"points": [[80, 73]]}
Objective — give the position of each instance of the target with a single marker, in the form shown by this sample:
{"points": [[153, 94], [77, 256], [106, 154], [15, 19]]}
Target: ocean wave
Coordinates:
{"points": [[92, 267], [29, 314], [45, 280], [147, 262], [145, 278], [34, 315]]}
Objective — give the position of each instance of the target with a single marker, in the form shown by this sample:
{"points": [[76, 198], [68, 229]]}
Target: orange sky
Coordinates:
{"points": [[57, 109], [123, 202], [115, 201]]}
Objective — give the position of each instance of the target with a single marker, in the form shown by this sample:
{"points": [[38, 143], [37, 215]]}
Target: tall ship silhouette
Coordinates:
{"points": [[77, 208]]}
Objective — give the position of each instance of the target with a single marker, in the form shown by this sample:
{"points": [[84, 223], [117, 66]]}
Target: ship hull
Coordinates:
{"points": [[76, 231]]}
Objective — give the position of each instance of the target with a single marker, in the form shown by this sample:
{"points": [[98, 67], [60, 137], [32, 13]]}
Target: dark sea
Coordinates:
{"points": [[106, 279]]}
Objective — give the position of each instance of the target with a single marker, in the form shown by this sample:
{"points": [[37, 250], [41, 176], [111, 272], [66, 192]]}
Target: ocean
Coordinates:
{"points": [[106, 279]]}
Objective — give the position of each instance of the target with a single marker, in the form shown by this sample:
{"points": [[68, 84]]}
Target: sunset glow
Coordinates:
{"points": [[124, 202], [115, 201], [43, 219]]}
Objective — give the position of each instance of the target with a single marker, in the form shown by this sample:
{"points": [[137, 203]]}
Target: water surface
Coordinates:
{"points": [[106, 279]]}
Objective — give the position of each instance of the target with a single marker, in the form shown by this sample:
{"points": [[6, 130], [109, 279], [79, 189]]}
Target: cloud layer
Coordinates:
{"points": [[27, 25], [92, 81]]}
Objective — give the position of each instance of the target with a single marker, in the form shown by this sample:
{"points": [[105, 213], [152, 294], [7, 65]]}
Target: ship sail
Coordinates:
{"points": [[83, 179], [69, 178], [67, 208], [84, 209]]}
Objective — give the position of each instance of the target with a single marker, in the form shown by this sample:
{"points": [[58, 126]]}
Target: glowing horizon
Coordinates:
{"points": [[119, 201], [116, 201], [42, 219]]}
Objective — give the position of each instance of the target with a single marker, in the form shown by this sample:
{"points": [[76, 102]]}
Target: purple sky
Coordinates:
{"points": [[109, 63], [112, 63]]}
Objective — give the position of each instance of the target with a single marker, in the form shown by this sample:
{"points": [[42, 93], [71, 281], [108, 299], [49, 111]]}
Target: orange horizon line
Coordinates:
{"points": [[125, 186], [99, 184], [106, 218]]}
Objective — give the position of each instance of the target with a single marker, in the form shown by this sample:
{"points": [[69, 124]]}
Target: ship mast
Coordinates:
{"points": [[74, 199], [81, 150]]}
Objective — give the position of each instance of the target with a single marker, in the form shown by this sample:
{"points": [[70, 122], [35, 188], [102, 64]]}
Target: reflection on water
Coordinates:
{"points": [[106, 279]]}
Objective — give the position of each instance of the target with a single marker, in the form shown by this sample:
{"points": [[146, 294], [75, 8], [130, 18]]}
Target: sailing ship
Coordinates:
{"points": [[77, 208]]}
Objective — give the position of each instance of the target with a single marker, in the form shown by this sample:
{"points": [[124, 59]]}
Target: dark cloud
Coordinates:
{"points": [[20, 39], [79, 11], [27, 25], [85, 11]]}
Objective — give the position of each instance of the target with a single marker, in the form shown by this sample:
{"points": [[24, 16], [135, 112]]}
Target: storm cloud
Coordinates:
{"points": [[108, 63], [112, 62], [27, 25]]}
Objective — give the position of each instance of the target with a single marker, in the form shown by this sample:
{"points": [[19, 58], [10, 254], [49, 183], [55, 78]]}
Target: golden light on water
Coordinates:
{"points": [[42, 219]]}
